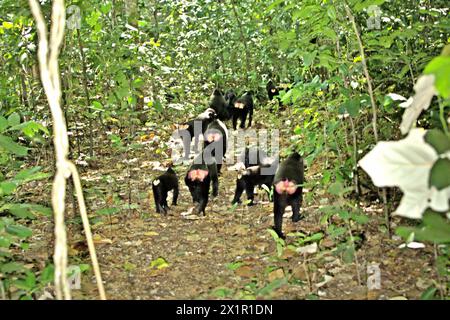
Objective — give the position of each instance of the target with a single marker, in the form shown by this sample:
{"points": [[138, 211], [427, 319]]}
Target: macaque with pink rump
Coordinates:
{"points": [[288, 182]]}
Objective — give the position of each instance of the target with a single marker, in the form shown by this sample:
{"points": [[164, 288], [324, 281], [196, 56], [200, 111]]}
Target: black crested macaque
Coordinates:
{"points": [[219, 105], [242, 107], [259, 170], [199, 177], [272, 91], [288, 182], [230, 98], [252, 156], [161, 187], [193, 129], [215, 142]]}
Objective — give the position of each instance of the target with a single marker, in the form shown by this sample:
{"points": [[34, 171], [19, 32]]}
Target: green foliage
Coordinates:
{"points": [[162, 63], [14, 275], [434, 228], [440, 68], [280, 243]]}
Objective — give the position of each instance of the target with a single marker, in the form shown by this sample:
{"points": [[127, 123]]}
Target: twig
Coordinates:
{"points": [[2, 290], [441, 286], [352, 240]]}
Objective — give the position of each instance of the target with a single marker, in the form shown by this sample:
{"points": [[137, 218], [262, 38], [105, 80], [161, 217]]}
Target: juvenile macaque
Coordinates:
{"points": [[215, 142], [219, 105], [200, 175], [259, 170], [161, 187], [288, 188], [243, 107], [193, 129], [272, 91], [230, 98]]}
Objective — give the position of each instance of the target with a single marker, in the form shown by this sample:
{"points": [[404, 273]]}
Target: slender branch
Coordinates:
{"points": [[87, 229], [366, 71], [2, 291], [372, 101], [86, 91], [441, 285], [48, 53], [243, 39]]}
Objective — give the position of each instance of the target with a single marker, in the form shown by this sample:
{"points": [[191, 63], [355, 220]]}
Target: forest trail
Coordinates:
{"points": [[229, 253]]}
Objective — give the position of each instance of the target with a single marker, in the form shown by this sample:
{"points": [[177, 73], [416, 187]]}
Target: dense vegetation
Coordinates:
{"points": [[133, 70]]}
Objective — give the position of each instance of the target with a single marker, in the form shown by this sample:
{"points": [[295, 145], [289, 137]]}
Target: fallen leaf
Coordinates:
{"points": [[327, 243], [311, 248], [412, 245], [99, 240], [288, 253], [276, 274], [398, 298], [245, 272], [299, 273], [151, 234], [159, 263], [326, 278]]}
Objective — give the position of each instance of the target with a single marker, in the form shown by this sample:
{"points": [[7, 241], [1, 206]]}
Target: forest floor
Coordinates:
{"points": [[227, 254]]}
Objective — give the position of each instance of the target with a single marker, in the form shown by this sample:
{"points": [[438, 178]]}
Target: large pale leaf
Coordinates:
{"points": [[425, 91], [407, 164]]}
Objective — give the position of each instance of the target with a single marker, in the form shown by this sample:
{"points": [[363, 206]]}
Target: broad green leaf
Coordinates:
{"points": [[440, 174], [105, 8], [5, 242], [308, 58], [84, 267], [28, 284], [30, 174], [440, 67], [273, 234], [336, 188], [360, 218], [97, 106], [352, 106], [157, 105], [331, 11], [7, 24], [21, 211], [12, 267], [7, 187], [8, 144], [14, 119], [3, 124], [20, 231], [439, 140]]}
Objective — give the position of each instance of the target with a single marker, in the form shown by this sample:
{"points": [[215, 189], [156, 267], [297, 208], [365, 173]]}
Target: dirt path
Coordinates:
{"points": [[227, 254]]}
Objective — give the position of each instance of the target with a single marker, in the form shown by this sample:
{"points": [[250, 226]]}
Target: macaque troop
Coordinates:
{"points": [[284, 178]]}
